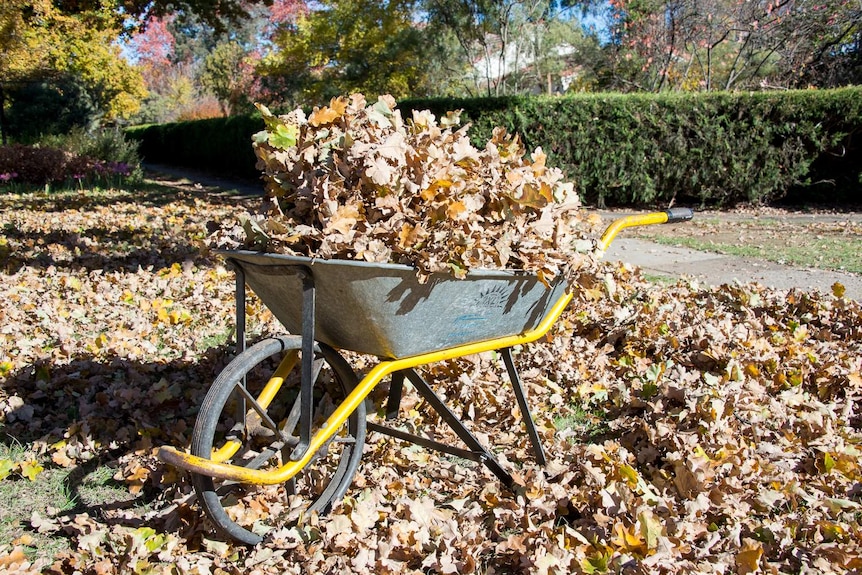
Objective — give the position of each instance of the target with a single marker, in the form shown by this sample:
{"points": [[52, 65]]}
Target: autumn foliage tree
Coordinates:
{"points": [[349, 45], [42, 44], [194, 71], [169, 74]]}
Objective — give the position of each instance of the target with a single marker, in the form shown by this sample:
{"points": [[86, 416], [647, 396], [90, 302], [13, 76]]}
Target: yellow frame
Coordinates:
{"points": [[215, 466]]}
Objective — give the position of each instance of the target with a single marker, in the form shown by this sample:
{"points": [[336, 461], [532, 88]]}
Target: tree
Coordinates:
{"points": [[51, 105], [133, 14], [41, 44], [511, 46], [349, 45], [728, 44], [228, 74], [482, 30], [170, 74], [554, 48]]}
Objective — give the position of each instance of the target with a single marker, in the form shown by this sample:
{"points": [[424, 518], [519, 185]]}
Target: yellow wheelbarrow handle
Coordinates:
{"points": [[672, 216]]}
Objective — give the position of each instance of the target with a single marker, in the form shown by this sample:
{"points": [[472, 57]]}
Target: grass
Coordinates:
{"points": [[589, 425], [217, 340], [89, 489], [660, 279], [829, 242], [20, 498], [825, 253]]}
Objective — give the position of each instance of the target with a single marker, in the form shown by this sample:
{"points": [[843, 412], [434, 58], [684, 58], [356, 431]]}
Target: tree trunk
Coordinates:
{"points": [[4, 129]]}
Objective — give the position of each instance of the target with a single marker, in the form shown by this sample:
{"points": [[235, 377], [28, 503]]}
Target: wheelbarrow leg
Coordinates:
{"points": [[458, 427], [307, 368], [532, 432], [239, 310], [239, 298], [396, 388]]}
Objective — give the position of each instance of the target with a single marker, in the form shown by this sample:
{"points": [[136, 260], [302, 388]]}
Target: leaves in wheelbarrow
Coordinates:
{"points": [[356, 181]]}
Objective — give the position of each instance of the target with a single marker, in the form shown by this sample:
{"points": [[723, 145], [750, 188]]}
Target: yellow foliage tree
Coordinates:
{"points": [[343, 46], [37, 41]]}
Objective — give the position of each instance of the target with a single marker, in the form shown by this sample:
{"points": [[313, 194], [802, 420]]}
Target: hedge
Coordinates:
{"points": [[627, 149], [221, 146]]}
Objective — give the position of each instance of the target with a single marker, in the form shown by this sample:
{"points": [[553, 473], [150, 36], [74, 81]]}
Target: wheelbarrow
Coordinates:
{"points": [[289, 411]]}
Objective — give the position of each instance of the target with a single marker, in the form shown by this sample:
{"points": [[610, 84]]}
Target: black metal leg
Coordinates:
{"points": [[239, 300], [522, 404], [458, 427], [239, 310], [306, 391], [396, 388]]}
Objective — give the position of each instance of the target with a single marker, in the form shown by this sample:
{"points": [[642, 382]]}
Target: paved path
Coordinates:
{"points": [[717, 269], [713, 269]]}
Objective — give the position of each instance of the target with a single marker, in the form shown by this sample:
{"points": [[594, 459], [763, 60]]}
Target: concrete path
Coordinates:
{"points": [[717, 269]]}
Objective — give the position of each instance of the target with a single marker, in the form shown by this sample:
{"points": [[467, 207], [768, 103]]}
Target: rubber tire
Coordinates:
{"points": [[211, 410]]}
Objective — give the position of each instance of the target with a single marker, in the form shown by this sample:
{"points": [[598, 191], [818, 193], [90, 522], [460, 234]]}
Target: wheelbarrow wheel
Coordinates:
{"points": [[261, 433]]}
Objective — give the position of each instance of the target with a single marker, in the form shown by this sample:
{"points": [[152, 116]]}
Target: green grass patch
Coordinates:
{"points": [[588, 424], [20, 498], [216, 340], [660, 279], [840, 254]]}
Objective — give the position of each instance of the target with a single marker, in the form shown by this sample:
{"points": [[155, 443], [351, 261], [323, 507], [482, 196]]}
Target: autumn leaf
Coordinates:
{"points": [[60, 458], [455, 209], [650, 528], [151, 540], [825, 462], [284, 136], [344, 219], [630, 475], [13, 559], [31, 469], [748, 558], [6, 468], [598, 560], [327, 115]]}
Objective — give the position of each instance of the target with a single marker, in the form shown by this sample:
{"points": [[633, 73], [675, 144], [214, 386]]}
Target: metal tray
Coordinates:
{"points": [[383, 310]]}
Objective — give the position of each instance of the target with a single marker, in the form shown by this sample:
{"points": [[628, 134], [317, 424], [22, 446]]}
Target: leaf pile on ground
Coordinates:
{"points": [[688, 429], [355, 181]]}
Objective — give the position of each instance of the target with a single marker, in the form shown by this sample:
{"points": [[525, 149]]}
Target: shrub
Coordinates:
{"points": [[32, 165], [107, 144], [219, 145], [52, 106], [44, 165], [717, 148]]}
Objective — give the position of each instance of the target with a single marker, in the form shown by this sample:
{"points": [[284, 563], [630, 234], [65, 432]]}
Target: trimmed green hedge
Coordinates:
{"points": [[723, 148], [221, 146], [626, 149]]}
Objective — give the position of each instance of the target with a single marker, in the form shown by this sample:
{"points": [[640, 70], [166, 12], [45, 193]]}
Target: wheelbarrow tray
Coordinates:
{"points": [[383, 309]]}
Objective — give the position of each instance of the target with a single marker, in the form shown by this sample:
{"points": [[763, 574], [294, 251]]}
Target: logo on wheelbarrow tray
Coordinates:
{"points": [[493, 298]]}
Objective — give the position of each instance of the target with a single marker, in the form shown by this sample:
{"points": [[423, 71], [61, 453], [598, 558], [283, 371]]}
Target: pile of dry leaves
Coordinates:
{"points": [[688, 429], [355, 181]]}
